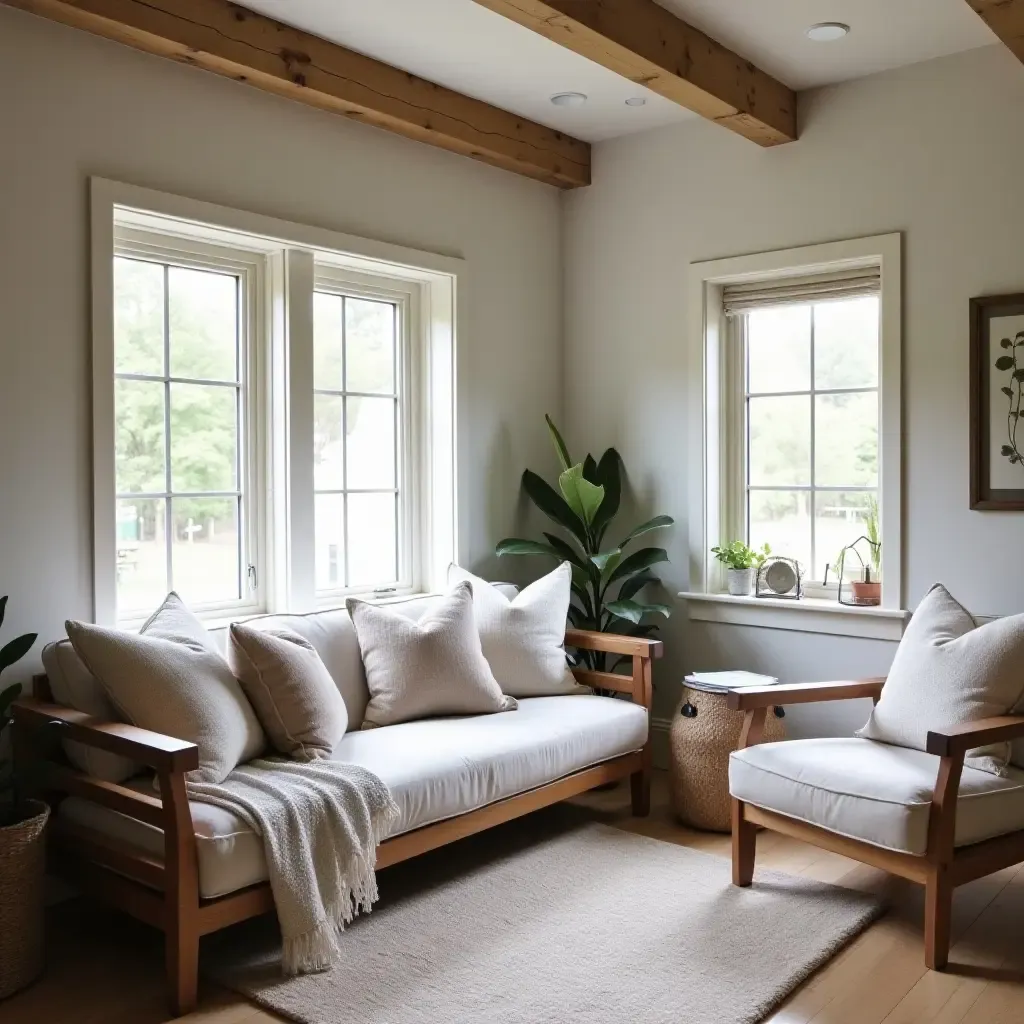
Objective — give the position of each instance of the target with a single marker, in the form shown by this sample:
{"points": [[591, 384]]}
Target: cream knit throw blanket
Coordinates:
{"points": [[320, 822]]}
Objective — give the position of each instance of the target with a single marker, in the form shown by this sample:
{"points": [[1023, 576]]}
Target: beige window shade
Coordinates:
{"points": [[844, 284]]}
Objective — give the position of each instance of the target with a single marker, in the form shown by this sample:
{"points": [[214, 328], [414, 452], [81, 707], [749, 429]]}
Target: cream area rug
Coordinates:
{"points": [[578, 922]]}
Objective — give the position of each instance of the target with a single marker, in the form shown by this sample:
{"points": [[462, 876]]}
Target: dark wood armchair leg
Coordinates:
{"points": [[640, 792], [938, 914], [744, 846], [182, 969]]}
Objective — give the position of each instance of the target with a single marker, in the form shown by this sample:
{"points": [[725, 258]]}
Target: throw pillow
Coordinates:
{"points": [[293, 694], [948, 671], [523, 638], [434, 666], [170, 678]]}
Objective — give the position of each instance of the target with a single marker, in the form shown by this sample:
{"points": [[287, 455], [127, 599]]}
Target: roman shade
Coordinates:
{"points": [[843, 284]]}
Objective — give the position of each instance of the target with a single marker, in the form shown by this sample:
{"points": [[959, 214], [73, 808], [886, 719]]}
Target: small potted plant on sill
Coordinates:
{"points": [[741, 564], [22, 859]]}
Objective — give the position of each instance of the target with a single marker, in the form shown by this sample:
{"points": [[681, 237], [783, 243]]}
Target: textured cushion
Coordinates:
{"points": [[434, 666], [949, 671], [170, 678], [523, 639], [872, 791], [290, 690], [435, 769]]}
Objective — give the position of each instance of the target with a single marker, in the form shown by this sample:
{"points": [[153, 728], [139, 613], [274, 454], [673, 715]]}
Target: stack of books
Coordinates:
{"points": [[723, 682]]}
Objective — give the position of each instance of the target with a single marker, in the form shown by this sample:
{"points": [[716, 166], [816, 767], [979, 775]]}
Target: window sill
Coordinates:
{"points": [[808, 615]]}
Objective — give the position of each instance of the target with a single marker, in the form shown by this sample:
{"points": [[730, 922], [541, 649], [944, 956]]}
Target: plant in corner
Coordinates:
{"points": [[21, 851], [741, 562], [606, 581]]}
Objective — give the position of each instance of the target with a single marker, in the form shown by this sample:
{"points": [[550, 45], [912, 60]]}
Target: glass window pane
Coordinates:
{"points": [[141, 555], [204, 549], [328, 465], [204, 437], [783, 520], [780, 441], [330, 541], [372, 540], [840, 518], [370, 346], [779, 349], [139, 436], [327, 341], [203, 322], [371, 443], [846, 343], [846, 440], [138, 317]]}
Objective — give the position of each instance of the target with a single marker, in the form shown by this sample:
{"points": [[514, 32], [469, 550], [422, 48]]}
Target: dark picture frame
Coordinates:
{"points": [[984, 310]]}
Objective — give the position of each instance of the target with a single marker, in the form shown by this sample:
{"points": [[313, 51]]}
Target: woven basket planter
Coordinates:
{"points": [[701, 742], [22, 871]]}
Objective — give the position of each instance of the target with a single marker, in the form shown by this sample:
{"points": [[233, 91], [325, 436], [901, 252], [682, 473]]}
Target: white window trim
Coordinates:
{"points": [[712, 457], [289, 248]]}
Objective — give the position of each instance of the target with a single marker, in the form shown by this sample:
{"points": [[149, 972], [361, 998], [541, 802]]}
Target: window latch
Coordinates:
{"points": [[251, 573], [385, 590]]}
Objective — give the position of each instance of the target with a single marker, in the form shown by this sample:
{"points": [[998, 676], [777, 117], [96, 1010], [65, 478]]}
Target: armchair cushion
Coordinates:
{"points": [[872, 791], [949, 671]]}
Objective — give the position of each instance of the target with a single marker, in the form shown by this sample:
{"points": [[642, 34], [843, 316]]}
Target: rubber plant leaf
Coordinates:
{"points": [[609, 476], [553, 505], [583, 497], [515, 546], [657, 523], [642, 559], [16, 649], [556, 438]]}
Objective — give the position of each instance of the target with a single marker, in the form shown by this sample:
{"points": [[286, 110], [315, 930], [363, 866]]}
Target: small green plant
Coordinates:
{"points": [[736, 555], [11, 652]]}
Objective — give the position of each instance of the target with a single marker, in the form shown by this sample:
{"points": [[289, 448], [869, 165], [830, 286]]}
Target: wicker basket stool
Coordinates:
{"points": [[704, 732], [22, 869]]}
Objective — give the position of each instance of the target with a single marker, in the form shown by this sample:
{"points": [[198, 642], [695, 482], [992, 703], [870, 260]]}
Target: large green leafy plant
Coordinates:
{"points": [[11, 652], [607, 581]]}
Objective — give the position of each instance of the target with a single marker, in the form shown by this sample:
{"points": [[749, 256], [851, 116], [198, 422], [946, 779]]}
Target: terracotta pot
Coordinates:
{"points": [[866, 593]]}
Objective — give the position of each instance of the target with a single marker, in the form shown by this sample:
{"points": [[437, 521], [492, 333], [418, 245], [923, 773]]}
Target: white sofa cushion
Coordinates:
{"points": [[523, 637], [436, 769], [872, 791]]}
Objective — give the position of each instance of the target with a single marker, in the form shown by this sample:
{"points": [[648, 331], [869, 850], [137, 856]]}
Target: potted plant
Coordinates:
{"points": [[741, 564], [22, 860]]}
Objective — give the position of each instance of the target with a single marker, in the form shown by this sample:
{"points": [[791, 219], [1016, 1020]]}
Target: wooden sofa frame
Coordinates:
{"points": [[942, 867], [165, 892]]}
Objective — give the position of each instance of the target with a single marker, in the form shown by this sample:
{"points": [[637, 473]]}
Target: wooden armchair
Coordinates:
{"points": [[950, 850]]}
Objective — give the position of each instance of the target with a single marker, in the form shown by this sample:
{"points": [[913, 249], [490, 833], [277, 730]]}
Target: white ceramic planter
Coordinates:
{"points": [[740, 581]]}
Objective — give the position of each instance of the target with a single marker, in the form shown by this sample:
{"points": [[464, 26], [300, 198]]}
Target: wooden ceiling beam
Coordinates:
{"points": [[1006, 19], [229, 40], [652, 47]]}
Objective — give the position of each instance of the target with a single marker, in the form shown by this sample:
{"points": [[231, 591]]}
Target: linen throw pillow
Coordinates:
{"points": [[431, 667], [170, 678], [293, 694], [523, 638], [948, 671]]}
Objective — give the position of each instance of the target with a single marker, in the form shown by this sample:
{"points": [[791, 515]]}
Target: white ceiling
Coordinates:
{"points": [[459, 44]]}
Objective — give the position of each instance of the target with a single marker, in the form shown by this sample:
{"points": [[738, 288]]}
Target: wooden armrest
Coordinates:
{"points": [[613, 643], [803, 693], [164, 753], [958, 739]]}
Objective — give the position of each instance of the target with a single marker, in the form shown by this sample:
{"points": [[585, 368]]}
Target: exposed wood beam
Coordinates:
{"points": [[232, 41], [648, 45], [1006, 19]]}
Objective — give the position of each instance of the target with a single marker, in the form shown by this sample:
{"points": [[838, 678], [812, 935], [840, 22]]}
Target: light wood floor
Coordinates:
{"points": [[107, 969]]}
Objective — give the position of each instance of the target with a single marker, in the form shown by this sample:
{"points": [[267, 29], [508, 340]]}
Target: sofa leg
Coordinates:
{"points": [[744, 846], [182, 969], [938, 914], [640, 792]]}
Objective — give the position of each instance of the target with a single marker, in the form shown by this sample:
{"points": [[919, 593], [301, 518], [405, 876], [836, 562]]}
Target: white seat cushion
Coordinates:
{"points": [[872, 791], [435, 768]]}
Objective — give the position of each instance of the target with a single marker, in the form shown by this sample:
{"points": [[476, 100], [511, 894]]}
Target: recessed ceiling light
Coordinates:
{"points": [[569, 99], [828, 31], [635, 101]]}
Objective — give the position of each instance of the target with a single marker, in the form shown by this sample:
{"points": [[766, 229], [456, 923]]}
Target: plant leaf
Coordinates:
{"points": [[1007, 392], [631, 587], [578, 617], [554, 506], [1004, 362], [590, 469], [515, 546], [3, 608], [556, 438], [657, 523], [1005, 450], [1018, 374], [584, 598], [607, 562], [642, 559], [16, 649], [1006, 343], [565, 550], [7, 696], [608, 475], [634, 611], [583, 497]]}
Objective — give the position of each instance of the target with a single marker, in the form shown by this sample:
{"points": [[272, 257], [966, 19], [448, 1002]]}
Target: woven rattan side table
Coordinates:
{"points": [[704, 733]]}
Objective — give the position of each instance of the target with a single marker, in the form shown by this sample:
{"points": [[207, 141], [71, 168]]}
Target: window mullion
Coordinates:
{"points": [[814, 478], [344, 440], [168, 503]]}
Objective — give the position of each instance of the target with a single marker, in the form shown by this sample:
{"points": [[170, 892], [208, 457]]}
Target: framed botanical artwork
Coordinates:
{"points": [[997, 403]]}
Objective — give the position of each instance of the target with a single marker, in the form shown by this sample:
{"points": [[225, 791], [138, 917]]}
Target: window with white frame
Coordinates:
{"points": [[267, 436], [796, 417]]}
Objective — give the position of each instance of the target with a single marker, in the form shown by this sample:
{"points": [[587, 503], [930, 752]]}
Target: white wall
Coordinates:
{"points": [[934, 150], [72, 106]]}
